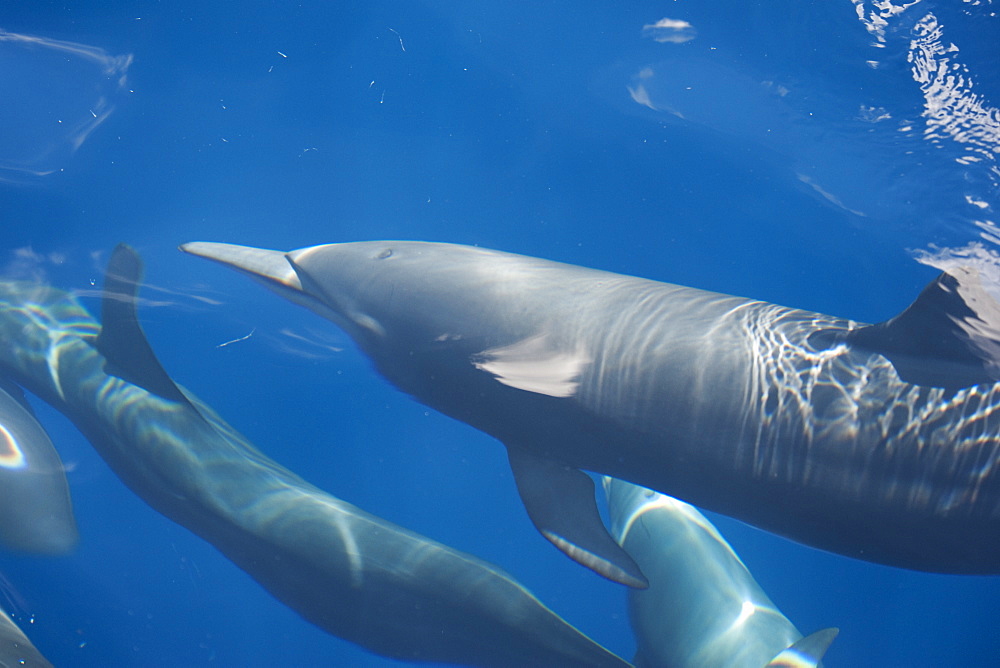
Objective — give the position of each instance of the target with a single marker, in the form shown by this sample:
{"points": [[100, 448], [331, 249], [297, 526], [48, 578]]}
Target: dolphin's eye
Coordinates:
{"points": [[384, 254]]}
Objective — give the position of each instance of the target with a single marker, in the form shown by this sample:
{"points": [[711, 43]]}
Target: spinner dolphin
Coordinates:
{"points": [[356, 576], [879, 442]]}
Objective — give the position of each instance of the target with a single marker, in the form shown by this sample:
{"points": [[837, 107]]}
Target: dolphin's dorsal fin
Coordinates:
{"points": [[121, 341], [805, 652], [560, 502], [949, 337]]}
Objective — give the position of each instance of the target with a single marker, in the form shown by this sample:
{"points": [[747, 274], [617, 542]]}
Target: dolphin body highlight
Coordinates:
{"points": [[703, 608], [879, 442], [16, 649], [36, 514], [356, 576]]}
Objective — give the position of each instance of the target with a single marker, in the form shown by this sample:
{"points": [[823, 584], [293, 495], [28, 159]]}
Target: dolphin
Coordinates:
{"points": [[16, 649], [36, 514], [879, 442], [703, 608], [356, 576]]}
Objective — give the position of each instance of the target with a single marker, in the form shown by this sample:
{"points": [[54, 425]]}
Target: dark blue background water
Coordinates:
{"points": [[779, 150]]}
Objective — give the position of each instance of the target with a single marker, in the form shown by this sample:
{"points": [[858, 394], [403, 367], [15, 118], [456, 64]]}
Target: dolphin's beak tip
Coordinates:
{"points": [[190, 247], [220, 252]]}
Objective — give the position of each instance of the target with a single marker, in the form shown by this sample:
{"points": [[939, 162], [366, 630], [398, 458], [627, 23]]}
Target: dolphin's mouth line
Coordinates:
{"points": [[311, 294]]}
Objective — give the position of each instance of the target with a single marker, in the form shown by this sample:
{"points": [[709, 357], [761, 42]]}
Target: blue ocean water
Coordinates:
{"points": [[803, 153]]}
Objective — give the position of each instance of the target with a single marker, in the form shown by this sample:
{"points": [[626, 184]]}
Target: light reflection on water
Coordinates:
{"points": [[912, 123], [55, 94]]}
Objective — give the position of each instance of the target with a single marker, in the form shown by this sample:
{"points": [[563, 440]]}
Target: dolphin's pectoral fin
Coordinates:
{"points": [[560, 502], [805, 652], [949, 337], [121, 341]]}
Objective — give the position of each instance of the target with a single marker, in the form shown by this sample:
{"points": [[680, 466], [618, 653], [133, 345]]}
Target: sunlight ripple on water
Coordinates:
{"points": [[55, 93]]}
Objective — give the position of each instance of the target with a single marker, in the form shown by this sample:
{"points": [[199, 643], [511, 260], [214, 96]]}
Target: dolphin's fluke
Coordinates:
{"points": [[560, 502], [121, 340], [806, 652], [949, 337]]}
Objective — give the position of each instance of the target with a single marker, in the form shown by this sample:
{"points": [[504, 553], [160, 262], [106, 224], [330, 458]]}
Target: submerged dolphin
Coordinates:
{"points": [[16, 649], [879, 442], [36, 514], [354, 575], [703, 609]]}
